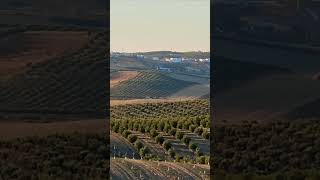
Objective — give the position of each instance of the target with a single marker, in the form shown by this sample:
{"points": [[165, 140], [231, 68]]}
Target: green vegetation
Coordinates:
{"points": [[173, 125], [267, 150], [148, 84], [77, 156], [184, 109]]}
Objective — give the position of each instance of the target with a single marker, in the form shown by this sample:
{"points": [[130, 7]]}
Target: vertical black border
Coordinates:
{"points": [[212, 107]]}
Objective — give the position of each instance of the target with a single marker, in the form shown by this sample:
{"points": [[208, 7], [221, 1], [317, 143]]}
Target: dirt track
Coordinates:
{"points": [[139, 169]]}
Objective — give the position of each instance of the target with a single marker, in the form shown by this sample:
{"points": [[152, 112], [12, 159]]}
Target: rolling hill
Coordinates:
{"points": [[262, 83], [148, 84], [61, 85], [20, 50]]}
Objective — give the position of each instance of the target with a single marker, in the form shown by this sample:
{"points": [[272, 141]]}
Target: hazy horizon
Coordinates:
{"points": [[160, 25]]}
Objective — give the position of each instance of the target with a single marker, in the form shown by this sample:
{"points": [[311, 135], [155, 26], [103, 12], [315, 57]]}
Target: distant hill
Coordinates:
{"points": [[190, 54]]}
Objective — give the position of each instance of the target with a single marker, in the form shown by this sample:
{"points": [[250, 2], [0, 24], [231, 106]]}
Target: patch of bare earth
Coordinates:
{"points": [[121, 76]]}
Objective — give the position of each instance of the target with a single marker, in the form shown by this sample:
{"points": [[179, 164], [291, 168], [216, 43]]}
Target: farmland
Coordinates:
{"points": [[148, 84], [20, 50], [135, 169], [73, 156], [162, 135], [267, 123], [59, 85], [266, 150], [49, 129]]}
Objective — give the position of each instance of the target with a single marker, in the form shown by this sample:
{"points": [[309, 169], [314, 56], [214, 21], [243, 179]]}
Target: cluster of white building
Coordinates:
{"points": [[180, 60], [166, 59]]}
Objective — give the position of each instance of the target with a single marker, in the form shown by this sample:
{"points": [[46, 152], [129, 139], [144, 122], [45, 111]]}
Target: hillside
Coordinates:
{"points": [[230, 73], [171, 135], [161, 109], [20, 50], [262, 83], [61, 85], [146, 84]]}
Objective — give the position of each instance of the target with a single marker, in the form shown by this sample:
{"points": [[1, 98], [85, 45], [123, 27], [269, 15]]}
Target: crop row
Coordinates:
{"points": [[74, 82], [171, 127], [189, 108], [148, 84]]}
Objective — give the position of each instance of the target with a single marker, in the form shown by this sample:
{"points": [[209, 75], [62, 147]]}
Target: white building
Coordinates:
{"points": [[155, 58], [175, 60], [140, 56], [163, 69]]}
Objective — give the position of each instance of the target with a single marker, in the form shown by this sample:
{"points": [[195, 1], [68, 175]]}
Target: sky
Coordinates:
{"points": [[157, 25]]}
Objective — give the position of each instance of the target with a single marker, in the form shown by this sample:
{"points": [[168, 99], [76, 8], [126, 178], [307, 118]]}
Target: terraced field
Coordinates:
{"points": [[148, 84], [167, 135]]}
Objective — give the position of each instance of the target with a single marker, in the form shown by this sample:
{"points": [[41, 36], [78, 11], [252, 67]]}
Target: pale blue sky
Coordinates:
{"points": [[153, 25]]}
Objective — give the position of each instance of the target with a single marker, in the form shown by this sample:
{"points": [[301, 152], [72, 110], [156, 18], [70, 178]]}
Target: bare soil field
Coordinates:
{"points": [[123, 169], [121, 76], [23, 49], [15, 129]]}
